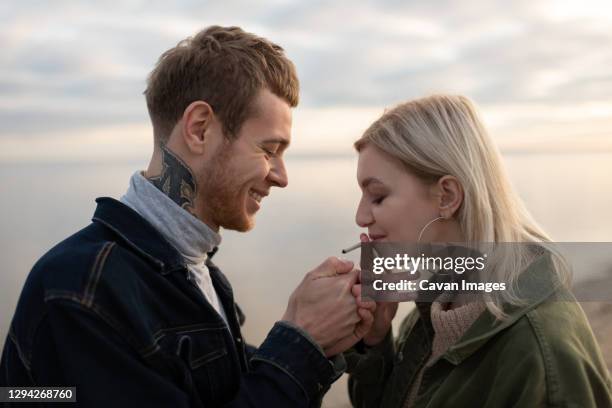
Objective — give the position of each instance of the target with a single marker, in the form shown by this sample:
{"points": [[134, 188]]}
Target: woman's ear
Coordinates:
{"points": [[197, 118], [450, 194]]}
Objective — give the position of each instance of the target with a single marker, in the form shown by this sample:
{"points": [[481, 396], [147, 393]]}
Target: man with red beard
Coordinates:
{"points": [[132, 311]]}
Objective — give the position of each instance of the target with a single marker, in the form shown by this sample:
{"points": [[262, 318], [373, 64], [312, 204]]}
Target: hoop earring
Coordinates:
{"points": [[427, 225]]}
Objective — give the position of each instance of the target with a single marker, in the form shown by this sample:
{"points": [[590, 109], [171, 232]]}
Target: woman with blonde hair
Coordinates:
{"points": [[429, 172]]}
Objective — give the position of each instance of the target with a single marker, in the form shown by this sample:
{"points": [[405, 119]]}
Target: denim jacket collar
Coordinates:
{"points": [[139, 234]]}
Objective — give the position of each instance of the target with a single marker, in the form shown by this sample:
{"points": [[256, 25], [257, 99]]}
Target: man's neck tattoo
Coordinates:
{"points": [[176, 181]]}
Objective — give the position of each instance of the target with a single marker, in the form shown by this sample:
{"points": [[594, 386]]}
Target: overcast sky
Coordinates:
{"points": [[72, 72]]}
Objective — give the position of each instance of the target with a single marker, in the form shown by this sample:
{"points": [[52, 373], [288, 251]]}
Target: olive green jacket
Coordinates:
{"points": [[543, 355]]}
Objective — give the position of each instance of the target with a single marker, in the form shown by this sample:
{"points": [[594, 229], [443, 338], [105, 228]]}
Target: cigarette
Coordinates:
{"points": [[351, 248]]}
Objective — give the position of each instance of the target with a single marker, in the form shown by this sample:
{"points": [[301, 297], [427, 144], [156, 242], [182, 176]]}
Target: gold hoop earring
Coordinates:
{"points": [[427, 225]]}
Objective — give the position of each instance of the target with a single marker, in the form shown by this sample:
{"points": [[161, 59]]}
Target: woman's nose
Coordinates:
{"points": [[363, 217]]}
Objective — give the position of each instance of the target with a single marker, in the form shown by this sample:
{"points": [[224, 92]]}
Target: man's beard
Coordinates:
{"points": [[222, 196]]}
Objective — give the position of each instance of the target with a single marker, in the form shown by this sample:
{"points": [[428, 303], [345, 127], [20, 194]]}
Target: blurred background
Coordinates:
{"points": [[74, 125]]}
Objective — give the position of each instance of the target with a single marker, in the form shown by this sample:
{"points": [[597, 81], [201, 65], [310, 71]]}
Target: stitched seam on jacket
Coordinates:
{"points": [[22, 357], [96, 272], [34, 336], [552, 387], [275, 364], [97, 311], [144, 352], [190, 328], [213, 355], [130, 243]]}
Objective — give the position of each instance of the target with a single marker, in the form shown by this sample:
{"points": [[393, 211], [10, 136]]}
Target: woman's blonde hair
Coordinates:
{"points": [[443, 135]]}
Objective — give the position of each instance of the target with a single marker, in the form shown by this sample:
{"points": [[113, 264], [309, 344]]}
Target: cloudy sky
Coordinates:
{"points": [[72, 72]]}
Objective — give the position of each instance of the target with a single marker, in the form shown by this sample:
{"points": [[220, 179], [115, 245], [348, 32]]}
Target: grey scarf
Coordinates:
{"points": [[191, 237]]}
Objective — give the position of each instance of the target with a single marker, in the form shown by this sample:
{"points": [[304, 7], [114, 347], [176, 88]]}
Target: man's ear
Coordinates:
{"points": [[450, 193], [197, 118]]}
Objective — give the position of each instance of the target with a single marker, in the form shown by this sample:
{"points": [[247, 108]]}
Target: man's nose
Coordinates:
{"points": [[278, 174]]}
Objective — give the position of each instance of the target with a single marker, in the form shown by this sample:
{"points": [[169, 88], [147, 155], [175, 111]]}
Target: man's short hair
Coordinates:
{"points": [[223, 66]]}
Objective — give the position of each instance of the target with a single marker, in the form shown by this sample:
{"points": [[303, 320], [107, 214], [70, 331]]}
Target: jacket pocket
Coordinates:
{"points": [[204, 363]]}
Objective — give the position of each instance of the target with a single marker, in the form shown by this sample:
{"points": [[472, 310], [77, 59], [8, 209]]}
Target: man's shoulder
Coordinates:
{"points": [[69, 261], [63, 272], [92, 269], [76, 266]]}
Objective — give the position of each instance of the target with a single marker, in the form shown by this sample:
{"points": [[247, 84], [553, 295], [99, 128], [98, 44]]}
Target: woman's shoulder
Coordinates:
{"points": [[556, 340], [554, 328], [560, 323]]}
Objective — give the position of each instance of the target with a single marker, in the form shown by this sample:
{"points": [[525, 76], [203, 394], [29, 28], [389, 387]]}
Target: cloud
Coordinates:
{"points": [[70, 65]]}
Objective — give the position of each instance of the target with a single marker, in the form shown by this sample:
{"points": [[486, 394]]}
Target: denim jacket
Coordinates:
{"points": [[111, 310]]}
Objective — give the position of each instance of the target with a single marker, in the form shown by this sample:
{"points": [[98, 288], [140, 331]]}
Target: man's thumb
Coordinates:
{"points": [[332, 266]]}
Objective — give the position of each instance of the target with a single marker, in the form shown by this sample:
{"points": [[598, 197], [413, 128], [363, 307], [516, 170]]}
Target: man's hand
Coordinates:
{"points": [[323, 305], [366, 310]]}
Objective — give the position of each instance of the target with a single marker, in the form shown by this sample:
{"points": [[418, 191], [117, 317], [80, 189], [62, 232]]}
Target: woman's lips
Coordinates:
{"points": [[376, 237], [370, 237]]}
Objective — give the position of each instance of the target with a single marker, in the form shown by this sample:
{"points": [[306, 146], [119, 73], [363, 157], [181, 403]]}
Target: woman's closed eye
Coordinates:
{"points": [[378, 200]]}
